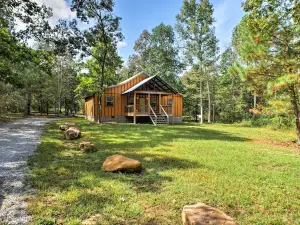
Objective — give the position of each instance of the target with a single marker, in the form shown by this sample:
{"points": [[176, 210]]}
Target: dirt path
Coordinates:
{"points": [[18, 140]]}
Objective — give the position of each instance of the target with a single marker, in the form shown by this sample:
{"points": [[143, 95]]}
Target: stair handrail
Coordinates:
{"points": [[165, 113], [153, 114]]}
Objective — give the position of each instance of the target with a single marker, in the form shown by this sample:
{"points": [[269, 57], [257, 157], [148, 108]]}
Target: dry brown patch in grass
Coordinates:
{"points": [[156, 215], [289, 144]]}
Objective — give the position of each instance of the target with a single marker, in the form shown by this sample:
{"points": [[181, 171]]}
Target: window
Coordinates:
{"points": [[109, 100], [130, 100], [170, 101]]}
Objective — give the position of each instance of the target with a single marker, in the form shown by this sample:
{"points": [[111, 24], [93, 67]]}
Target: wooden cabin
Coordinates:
{"points": [[138, 97]]}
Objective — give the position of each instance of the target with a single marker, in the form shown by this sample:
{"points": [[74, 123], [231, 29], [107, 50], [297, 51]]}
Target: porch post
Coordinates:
{"points": [[148, 104], [134, 107], [159, 103], [172, 108]]}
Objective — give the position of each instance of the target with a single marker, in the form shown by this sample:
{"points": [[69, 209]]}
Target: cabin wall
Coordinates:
{"points": [[117, 111], [177, 102], [89, 108], [120, 100]]}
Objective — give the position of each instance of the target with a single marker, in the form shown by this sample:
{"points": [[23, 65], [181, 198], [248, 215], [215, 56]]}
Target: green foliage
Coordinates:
{"points": [[231, 92], [11, 99], [267, 42]]}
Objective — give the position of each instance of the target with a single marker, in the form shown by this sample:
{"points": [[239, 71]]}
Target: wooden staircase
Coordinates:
{"points": [[159, 118]]}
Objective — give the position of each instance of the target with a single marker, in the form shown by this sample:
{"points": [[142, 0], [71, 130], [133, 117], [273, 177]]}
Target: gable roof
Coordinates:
{"points": [[154, 81], [129, 79]]}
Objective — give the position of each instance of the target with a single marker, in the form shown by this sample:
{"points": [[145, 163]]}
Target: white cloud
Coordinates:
{"points": [[60, 10], [227, 13], [121, 44]]}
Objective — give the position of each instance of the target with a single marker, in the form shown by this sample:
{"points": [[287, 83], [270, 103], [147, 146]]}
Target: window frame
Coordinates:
{"points": [[112, 101], [169, 101]]}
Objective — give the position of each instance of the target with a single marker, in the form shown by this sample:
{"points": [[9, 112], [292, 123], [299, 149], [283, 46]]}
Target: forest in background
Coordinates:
{"points": [[255, 80]]}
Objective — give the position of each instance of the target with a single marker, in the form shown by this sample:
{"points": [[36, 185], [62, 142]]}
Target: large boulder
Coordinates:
{"points": [[121, 163], [201, 214], [72, 133], [87, 147]]}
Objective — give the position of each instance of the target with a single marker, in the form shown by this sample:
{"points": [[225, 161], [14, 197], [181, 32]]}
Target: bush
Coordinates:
{"points": [[187, 118], [274, 122], [11, 99]]}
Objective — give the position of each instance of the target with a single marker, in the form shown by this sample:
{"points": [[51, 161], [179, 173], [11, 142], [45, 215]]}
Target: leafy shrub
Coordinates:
{"points": [[274, 122]]}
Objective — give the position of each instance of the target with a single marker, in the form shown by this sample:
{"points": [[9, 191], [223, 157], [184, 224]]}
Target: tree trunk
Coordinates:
{"points": [[209, 102], [28, 104], [213, 106], [101, 85], [201, 102], [99, 106], [47, 107], [295, 104], [66, 108]]}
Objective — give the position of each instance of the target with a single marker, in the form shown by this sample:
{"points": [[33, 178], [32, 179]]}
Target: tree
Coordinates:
{"points": [[195, 27], [100, 40], [89, 81], [156, 53], [231, 94], [268, 44]]}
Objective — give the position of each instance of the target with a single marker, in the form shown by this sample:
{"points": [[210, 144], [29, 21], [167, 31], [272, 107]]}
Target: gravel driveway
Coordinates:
{"points": [[18, 140]]}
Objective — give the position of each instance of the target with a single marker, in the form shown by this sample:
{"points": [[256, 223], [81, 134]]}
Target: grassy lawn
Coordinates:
{"points": [[245, 172]]}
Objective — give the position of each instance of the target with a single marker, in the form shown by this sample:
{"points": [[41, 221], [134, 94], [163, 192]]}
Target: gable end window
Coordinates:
{"points": [[109, 101]]}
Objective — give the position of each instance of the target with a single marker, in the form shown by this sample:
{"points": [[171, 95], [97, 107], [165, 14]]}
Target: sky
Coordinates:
{"points": [[138, 15]]}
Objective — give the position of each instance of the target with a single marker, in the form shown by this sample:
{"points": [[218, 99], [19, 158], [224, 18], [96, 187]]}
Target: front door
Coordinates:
{"points": [[142, 104], [154, 102]]}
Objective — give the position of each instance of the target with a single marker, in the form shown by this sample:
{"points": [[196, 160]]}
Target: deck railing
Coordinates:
{"points": [[165, 113], [139, 110], [129, 109], [153, 115], [167, 109], [142, 109]]}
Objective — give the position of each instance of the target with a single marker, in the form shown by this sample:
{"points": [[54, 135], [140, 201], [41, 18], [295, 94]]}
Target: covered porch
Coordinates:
{"points": [[152, 97]]}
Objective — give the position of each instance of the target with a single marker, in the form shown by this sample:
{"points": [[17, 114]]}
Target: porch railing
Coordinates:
{"points": [[166, 114], [167, 109], [139, 110], [129, 109], [142, 109], [153, 116]]}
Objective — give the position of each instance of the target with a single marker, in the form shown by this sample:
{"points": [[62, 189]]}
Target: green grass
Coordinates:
{"points": [[232, 168]]}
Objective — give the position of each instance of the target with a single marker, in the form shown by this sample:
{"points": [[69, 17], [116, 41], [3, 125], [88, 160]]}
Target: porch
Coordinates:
{"points": [[151, 97], [141, 103]]}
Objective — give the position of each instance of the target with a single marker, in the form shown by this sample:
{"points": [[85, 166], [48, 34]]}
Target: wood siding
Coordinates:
{"points": [[177, 101], [89, 107], [118, 109]]}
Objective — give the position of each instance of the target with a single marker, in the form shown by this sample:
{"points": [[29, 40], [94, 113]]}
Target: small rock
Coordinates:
{"points": [[121, 163], [201, 214], [72, 133], [63, 127], [87, 147], [66, 126]]}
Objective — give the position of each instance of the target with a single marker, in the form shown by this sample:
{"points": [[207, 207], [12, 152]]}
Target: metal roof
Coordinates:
{"points": [[156, 82], [129, 79]]}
